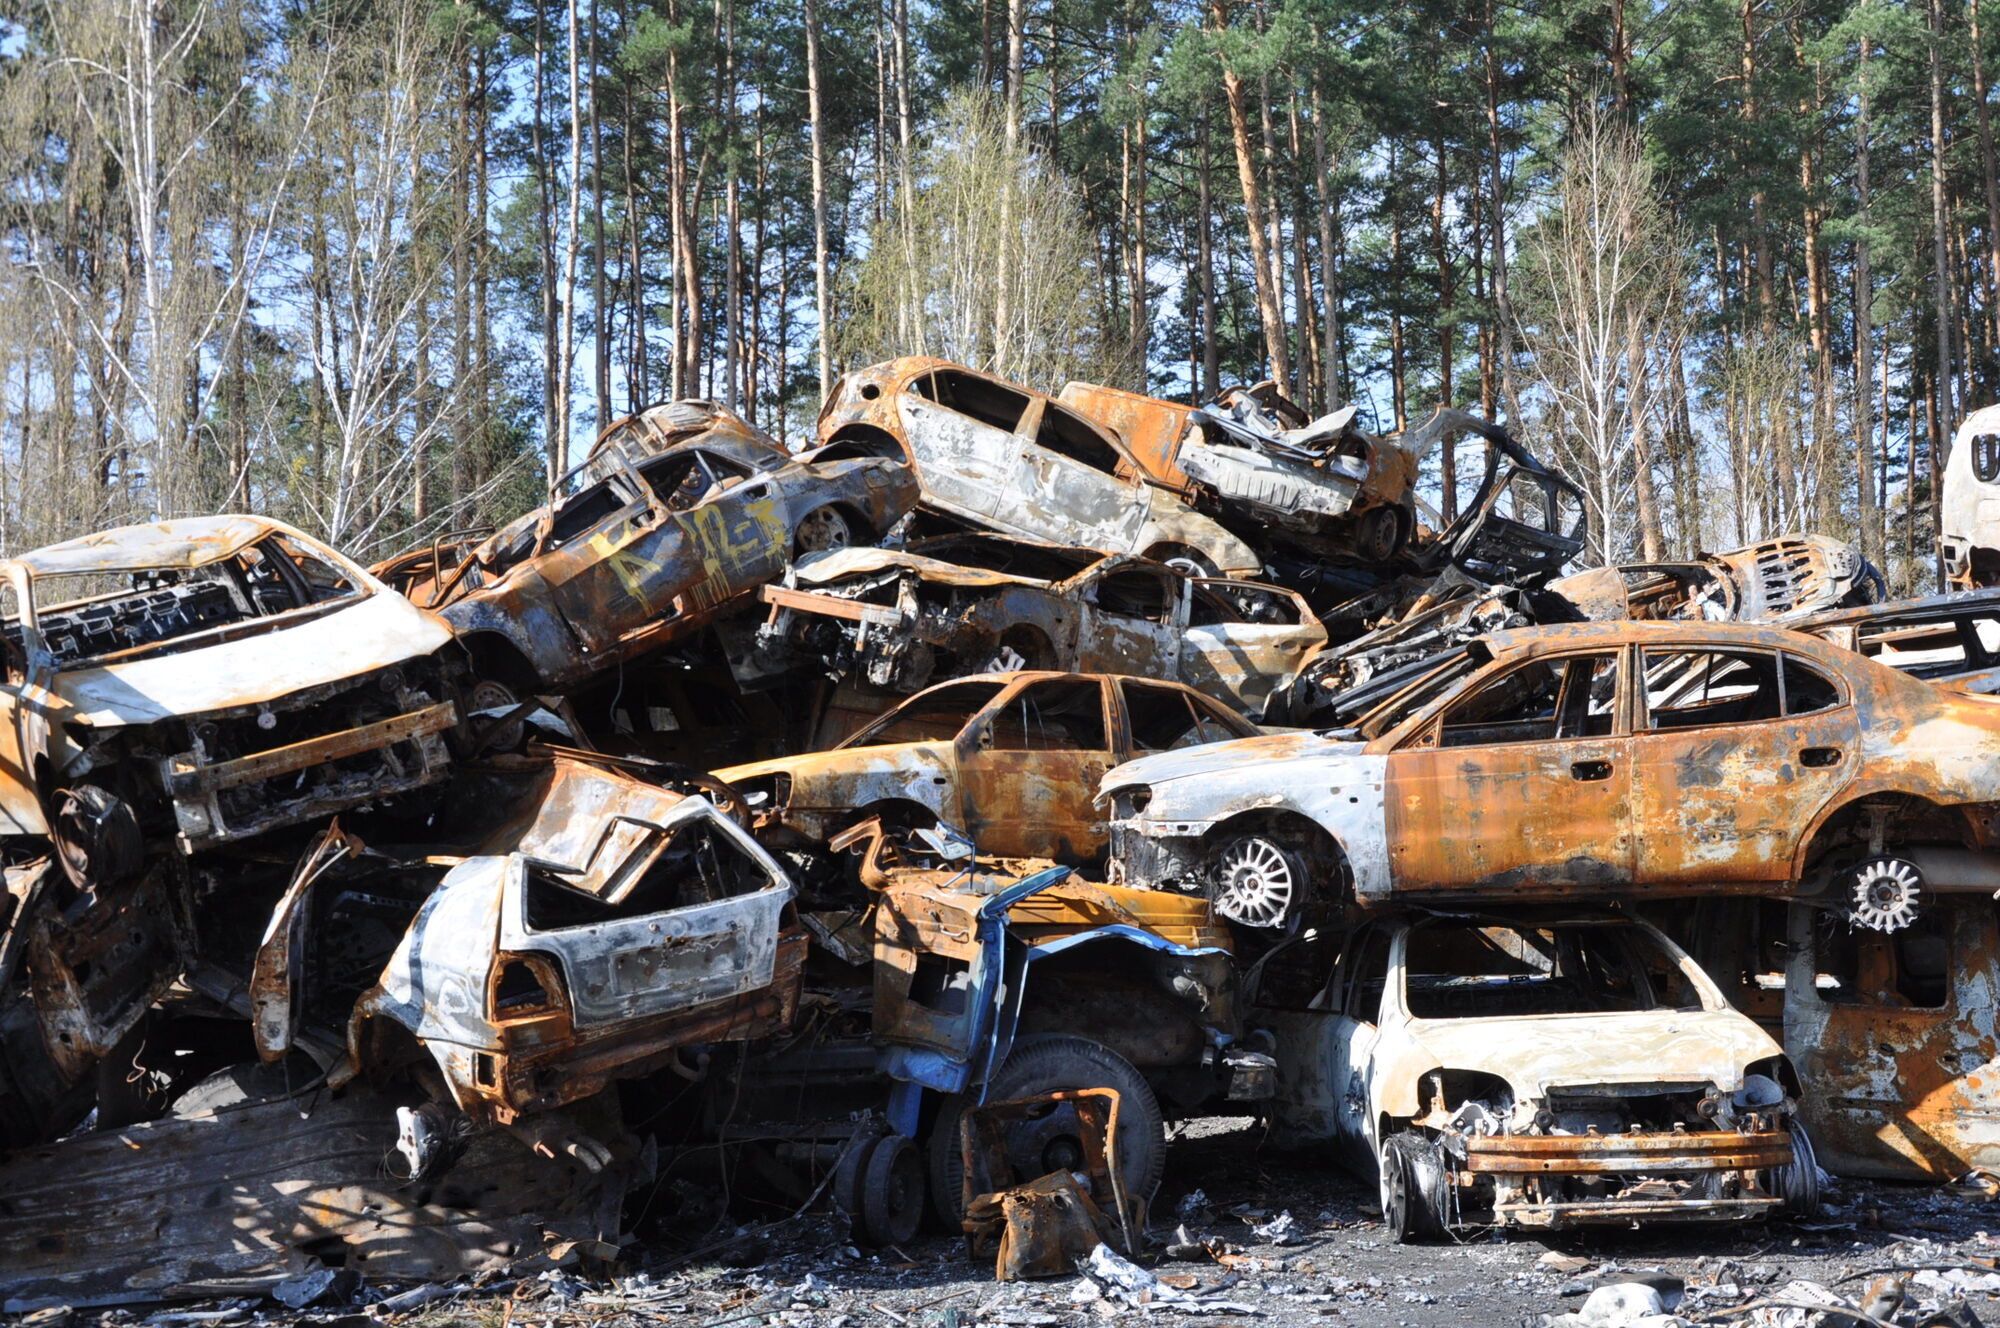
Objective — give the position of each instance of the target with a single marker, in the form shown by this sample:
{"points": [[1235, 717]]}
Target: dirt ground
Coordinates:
{"points": [[1337, 1267]]}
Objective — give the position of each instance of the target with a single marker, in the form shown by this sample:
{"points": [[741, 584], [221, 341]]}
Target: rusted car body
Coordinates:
{"points": [[999, 457], [625, 922], [1012, 758], [646, 553], [1952, 638], [904, 618], [1329, 490], [205, 681], [1969, 518], [1593, 759], [1775, 580], [1541, 1069], [1894, 1033]]}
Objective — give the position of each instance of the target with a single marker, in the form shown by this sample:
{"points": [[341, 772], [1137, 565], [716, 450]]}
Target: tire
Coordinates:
{"points": [[96, 835], [1413, 1188], [1048, 1063], [892, 1192], [1257, 880], [1378, 534], [822, 529], [1797, 1182], [250, 1082]]}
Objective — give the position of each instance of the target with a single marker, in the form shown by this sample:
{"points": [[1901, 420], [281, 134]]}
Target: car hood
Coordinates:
{"points": [[382, 629], [1538, 1052], [1236, 754], [891, 760], [834, 565]]}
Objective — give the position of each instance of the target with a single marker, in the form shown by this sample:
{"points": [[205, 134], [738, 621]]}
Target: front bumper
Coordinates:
{"points": [[1626, 1178]]}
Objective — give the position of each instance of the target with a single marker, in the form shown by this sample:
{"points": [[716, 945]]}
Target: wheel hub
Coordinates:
{"points": [[1885, 894], [1255, 883]]}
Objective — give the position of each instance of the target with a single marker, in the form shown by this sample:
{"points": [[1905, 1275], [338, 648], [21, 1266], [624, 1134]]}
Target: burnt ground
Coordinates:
{"points": [[1339, 1268]]}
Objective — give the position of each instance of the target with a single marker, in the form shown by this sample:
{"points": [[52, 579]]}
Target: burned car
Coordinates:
{"points": [[624, 922], [204, 681], [1010, 757], [1774, 580], [996, 456], [1969, 520], [1591, 759], [957, 605], [1541, 1069], [646, 553], [1327, 490]]}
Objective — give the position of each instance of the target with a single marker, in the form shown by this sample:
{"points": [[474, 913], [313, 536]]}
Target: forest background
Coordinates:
{"points": [[382, 269]]}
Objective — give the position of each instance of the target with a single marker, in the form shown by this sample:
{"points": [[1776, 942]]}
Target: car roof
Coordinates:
{"points": [[1522, 639], [186, 542]]}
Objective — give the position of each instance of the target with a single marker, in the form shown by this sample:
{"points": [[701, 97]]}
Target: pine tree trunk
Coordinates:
{"points": [[822, 294], [1268, 312], [1329, 256], [1864, 323]]}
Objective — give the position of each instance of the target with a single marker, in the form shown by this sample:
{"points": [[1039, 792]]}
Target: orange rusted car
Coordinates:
{"points": [[1010, 757], [1592, 759]]}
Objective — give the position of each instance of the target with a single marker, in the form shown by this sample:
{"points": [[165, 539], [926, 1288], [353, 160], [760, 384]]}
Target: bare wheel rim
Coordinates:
{"points": [[824, 529], [1255, 882]]}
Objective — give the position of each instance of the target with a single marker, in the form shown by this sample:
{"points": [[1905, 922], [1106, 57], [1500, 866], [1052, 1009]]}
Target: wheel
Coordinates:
{"points": [[96, 836], [1413, 1183], [1797, 1182], [252, 1081], [892, 1192], [847, 1177], [1378, 534], [1257, 880], [487, 702], [1049, 1063], [822, 529], [1186, 561]]}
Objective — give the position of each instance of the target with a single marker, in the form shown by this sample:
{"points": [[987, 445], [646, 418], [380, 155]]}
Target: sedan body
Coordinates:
{"points": [[1011, 758], [1595, 759], [647, 552], [903, 618]]}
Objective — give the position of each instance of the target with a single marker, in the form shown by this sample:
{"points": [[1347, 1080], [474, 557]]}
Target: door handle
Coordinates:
{"points": [[1589, 772], [1819, 758]]}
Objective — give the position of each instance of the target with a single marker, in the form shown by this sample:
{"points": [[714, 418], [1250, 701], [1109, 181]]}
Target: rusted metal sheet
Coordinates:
{"points": [[1004, 458], [1588, 760], [1044, 1226], [237, 1198], [962, 605], [231, 640], [648, 548], [1010, 757]]}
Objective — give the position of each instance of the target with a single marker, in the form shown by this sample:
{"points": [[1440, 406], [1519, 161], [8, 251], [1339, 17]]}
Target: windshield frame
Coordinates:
{"points": [[1396, 990]]}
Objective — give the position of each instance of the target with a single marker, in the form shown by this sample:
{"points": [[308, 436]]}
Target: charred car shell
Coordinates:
{"points": [[903, 618], [1001, 457], [1541, 1069], [217, 678], [648, 552]]}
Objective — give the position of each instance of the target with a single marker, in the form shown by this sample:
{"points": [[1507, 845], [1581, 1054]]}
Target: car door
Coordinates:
{"points": [[1242, 642], [965, 462], [614, 562], [1734, 754], [1894, 1035], [1128, 618], [1065, 484], [1325, 1052], [739, 526], [1029, 766], [1523, 780]]}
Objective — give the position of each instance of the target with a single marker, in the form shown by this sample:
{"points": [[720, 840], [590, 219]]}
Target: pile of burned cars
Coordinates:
{"points": [[927, 817]]}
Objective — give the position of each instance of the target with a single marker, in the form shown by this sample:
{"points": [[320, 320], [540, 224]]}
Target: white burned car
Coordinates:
{"points": [[205, 680], [1543, 1069]]}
